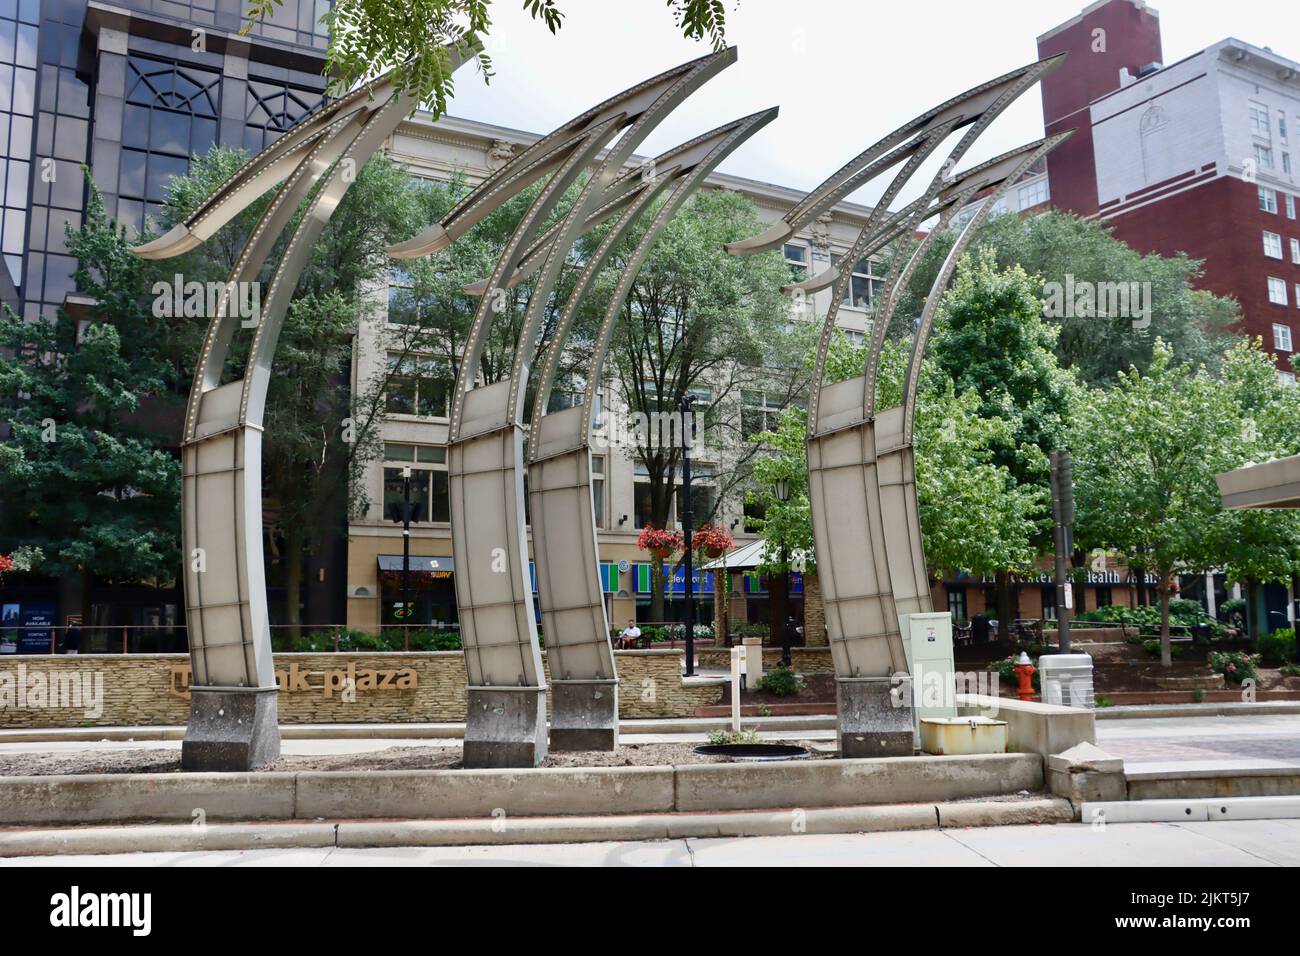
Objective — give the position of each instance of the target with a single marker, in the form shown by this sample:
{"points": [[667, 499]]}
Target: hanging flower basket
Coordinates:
{"points": [[712, 541], [660, 542]]}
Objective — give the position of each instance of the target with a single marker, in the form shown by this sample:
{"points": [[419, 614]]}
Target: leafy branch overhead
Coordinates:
{"points": [[370, 37]]}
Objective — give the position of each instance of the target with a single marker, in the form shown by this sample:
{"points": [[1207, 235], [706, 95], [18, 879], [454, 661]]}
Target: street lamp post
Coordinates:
{"points": [[781, 488], [687, 520], [406, 557]]}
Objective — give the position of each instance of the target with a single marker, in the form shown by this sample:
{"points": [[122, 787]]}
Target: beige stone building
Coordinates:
{"points": [[415, 434]]}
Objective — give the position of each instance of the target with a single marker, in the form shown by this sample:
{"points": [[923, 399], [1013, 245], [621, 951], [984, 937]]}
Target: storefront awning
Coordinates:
{"points": [[419, 562], [746, 557]]}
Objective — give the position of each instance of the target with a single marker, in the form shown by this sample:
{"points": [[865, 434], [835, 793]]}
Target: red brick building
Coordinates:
{"points": [[1200, 156]]}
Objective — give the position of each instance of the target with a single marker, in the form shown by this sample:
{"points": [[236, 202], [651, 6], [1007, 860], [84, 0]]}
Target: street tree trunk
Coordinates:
{"points": [[1166, 653], [293, 542], [814, 612]]}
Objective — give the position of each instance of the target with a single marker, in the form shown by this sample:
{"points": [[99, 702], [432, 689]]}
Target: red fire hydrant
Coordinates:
{"points": [[1024, 671]]}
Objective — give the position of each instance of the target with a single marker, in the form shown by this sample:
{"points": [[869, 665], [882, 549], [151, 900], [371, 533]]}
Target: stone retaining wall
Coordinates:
{"points": [[805, 660], [151, 689]]}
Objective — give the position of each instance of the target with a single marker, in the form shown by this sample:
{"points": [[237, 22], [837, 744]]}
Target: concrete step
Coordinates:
{"points": [[1198, 783]]}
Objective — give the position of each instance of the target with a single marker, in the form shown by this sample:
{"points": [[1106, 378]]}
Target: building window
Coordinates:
{"points": [[170, 115], [272, 108], [1281, 337], [598, 490], [1290, 206], [295, 21], [1259, 119], [418, 385], [1264, 156], [429, 495], [19, 35], [1103, 595], [1049, 602], [796, 257], [1272, 245], [1281, 125], [957, 603], [1295, 251], [865, 283], [1276, 291], [1286, 378], [1033, 194], [703, 493], [1286, 162], [1267, 199], [758, 413]]}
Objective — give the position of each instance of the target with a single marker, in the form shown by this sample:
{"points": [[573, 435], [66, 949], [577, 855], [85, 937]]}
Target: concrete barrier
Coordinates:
{"points": [[1033, 727], [481, 832], [497, 794], [154, 797], [422, 794], [832, 783]]}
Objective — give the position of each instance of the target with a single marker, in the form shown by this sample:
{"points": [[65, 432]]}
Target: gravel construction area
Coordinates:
{"points": [[390, 758]]}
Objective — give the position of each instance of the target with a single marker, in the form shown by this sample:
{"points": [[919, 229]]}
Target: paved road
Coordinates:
{"points": [[1236, 843], [1203, 743]]}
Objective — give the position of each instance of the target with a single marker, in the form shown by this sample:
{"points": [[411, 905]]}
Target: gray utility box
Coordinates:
{"points": [[1066, 679], [927, 638]]}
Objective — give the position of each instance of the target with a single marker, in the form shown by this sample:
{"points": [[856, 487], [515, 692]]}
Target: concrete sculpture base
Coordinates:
{"points": [[505, 727], [231, 729], [875, 716], [584, 714]]}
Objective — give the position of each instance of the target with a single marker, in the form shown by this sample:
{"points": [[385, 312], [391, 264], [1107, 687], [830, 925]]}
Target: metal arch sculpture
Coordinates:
{"points": [[584, 683], [233, 714], [506, 719], [861, 469]]}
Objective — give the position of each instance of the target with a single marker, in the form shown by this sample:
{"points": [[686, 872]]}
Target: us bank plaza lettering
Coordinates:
{"points": [[344, 682]]}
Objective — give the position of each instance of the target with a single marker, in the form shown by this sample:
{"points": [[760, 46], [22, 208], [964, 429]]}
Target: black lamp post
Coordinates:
{"points": [[406, 557], [686, 516], [781, 489]]}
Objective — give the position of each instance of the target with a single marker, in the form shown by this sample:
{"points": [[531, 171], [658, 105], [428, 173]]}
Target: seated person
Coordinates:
{"points": [[630, 636]]}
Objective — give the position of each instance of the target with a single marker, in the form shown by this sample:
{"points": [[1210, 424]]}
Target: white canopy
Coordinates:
{"points": [[745, 557]]}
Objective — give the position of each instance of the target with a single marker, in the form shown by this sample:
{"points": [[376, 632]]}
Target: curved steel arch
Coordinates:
{"points": [[233, 716], [584, 698], [506, 722], [861, 469]]}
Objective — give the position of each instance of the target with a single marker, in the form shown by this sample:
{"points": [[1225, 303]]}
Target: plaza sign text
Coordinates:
{"points": [[344, 682]]}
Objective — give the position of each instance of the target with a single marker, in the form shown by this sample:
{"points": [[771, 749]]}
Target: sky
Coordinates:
{"points": [[844, 72]]}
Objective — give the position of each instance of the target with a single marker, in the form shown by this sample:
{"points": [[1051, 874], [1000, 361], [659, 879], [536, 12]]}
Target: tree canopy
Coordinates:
{"points": [[369, 37]]}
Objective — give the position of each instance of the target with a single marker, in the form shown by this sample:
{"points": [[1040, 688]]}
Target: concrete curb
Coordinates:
{"points": [[501, 830], [549, 791], [1192, 810], [440, 731], [1224, 709]]}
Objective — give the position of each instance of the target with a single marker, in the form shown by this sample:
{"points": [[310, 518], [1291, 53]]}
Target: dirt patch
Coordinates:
{"points": [[390, 758]]}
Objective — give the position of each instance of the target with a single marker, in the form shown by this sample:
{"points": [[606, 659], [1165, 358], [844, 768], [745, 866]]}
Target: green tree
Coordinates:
{"points": [[315, 445], [1061, 248], [993, 529], [991, 339], [87, 477], [703, 323], [368, 37], [1146, 453]]}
